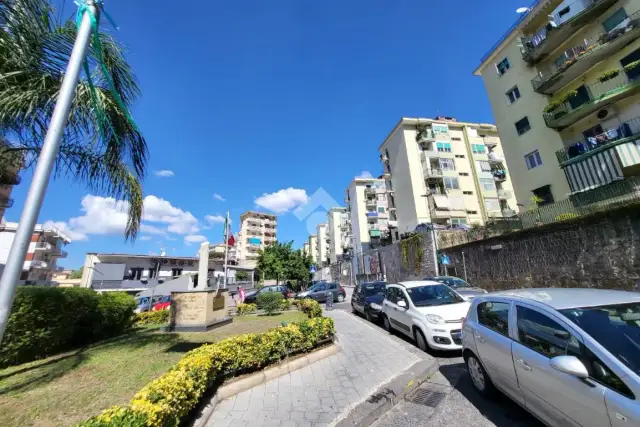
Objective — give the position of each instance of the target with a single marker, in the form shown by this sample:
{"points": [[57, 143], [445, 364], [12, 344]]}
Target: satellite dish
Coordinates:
{"points": [[523, 10]]}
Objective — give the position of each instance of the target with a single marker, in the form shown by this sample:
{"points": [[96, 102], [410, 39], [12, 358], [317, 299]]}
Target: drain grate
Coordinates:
{"points": [[427, 397]]}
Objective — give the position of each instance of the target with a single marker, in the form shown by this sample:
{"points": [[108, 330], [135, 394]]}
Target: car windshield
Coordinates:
{"points": [[371, 289], [431, 295], [453, 282], [615, 327], [318, 287]]}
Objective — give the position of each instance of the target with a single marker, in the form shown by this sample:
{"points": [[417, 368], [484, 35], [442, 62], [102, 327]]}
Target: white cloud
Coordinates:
{"points": [[171, 238], [214, 219], [195, 238], [364, 175], [218, 197], [146, 238], [164, 173], [105, 215], [282, 200]]}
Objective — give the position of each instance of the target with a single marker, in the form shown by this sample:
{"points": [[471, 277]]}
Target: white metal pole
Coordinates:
{"points": [[42, 173], [464, 266], [226, 250]]}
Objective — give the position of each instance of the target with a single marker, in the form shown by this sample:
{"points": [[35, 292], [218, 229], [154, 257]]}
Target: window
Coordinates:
{"points": [[136, 273], [513, 95], [451, 183], [382, 197], [544, 194], [484, 166], [544, 335], [478, 148], [522, 125], [455, 138], [468, 193], [463, 174], [381, 209], [443, 147], [495, 316], [533, 160], [176, 272], [593, 132], [459, 156], [472, 212], [581, 97], [614, 20], [492, 205], [152, 272], [487, 184], [503, 66], [394, 295], [455, 221], [447, 164], [632, 57]]}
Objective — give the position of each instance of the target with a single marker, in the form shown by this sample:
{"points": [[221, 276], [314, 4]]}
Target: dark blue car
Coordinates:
{"points": [[367, 299]]}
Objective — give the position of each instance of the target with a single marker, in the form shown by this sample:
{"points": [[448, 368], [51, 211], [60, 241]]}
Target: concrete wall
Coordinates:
{"points": [[601, 251]]}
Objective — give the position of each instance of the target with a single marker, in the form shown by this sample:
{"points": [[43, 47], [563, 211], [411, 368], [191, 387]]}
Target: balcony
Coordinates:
{"points": [[504, 194], [432, 172], [426, 136], [44, 246], [495, 158], [375, 233], [58, 254], [499, 175], [584, 56], [491, 141], [588, 99], [550, 37], [430, 154], [39, 264], [6, 202], [507, 213], [371, 215]]}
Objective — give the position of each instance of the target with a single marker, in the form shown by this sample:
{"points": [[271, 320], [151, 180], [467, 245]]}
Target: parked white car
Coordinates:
{"points": [[427, 311]]}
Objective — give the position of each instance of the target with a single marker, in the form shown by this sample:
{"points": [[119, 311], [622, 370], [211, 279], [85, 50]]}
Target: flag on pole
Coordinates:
{"points": [[228, 235]]}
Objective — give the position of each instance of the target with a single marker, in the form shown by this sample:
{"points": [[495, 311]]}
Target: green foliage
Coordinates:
{"points": [[310, 307], [270, 302], [566, 216], [35, 47], [46, 320], [632, 65], [279, 261], [552, 106], [168, 399], [151, 318], [242, 309], [242, 275], [285, 304], [609, 74], [77, 274]]}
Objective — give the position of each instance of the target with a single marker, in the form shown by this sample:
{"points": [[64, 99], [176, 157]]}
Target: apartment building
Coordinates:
{"points": [[322, 243], [368, 211], [564, 87], [305, 248], [257, 230], [339, 229], [43, 253], [445, 172], [313, 248]]}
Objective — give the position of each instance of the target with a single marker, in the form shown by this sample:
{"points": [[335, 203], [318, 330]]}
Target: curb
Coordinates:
{"points": [[363, 414], [227, 390]]}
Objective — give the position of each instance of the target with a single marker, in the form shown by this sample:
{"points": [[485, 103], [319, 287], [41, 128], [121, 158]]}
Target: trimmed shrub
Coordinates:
{"points": [[46, 320], [151, 317], [270, 301], [566, 216], [166, 400], [310, 307], [242, 309], [285, 304]]}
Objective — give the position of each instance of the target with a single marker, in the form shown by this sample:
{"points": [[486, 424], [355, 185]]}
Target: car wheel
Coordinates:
{"points": [[479, 378], [367, 316], [387, 324], [421, 340], [340, 298]]}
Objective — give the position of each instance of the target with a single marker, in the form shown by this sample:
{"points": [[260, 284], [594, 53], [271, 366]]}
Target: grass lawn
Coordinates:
{"points": [[65, 389]]}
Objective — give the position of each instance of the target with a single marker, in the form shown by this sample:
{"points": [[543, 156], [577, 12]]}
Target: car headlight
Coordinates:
{"points": [[375, 306], [435, 319]]}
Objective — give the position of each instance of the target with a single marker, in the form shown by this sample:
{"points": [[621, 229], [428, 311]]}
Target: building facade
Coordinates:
{"points": [[338, 225], [368, 212], [305, 248], [322, 243], [313, 248], [43, 253], [445, 172], [564, 86], [257, 230]]}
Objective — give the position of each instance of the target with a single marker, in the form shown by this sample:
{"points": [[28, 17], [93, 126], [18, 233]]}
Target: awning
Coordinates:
{"points": [[594, 171], [441, 201]]}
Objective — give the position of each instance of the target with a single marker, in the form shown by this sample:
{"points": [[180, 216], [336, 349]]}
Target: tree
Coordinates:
{"points": [[77, 274], [101, 146], [281, 262], [242, 275]]}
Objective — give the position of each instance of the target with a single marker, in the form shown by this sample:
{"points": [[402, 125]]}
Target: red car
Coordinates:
{"points": [[163, 304]]}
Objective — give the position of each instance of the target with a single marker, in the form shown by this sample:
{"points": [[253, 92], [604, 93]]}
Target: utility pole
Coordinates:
{"points": [[226, 249], [42, 173]]}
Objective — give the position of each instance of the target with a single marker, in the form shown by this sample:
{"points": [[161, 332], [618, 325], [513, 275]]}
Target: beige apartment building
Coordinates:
{"points": [[445, 172], [305, 248], [257, 230], [564, 87], [368, 212], [313, 248], [339, 229], [322, 243]]}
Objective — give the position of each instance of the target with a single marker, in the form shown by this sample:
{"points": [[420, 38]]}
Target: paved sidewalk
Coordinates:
{"points": [[324, 392]]}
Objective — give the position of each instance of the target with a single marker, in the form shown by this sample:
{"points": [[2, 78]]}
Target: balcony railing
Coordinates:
{"points": [[625, 130], [433, 172], [504, 194], [491, 141], [580, 58], [39, 264], [589, 99], [44, 246]]}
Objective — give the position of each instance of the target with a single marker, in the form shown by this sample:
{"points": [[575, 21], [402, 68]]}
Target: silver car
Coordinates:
{"points": [[571, 357]]}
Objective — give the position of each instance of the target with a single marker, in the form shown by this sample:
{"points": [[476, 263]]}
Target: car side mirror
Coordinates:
{"points": [[570, 365], [402, 304]]}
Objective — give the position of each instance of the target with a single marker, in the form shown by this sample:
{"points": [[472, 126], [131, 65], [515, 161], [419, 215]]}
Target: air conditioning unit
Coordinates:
{"points": [[607, 113]]}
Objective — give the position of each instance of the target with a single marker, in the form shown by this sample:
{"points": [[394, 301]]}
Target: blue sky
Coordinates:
{"points": [[250, 98]]}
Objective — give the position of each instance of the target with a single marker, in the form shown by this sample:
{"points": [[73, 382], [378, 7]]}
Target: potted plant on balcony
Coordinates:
{"points": [[631, 66], [608, 75], [552, 106]]}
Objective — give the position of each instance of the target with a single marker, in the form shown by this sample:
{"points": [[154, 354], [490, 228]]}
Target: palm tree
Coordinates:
{"points": [[34, 50]]}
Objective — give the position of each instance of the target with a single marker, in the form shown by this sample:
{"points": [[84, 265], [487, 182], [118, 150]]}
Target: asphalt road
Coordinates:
{"points": [[457, 403]]}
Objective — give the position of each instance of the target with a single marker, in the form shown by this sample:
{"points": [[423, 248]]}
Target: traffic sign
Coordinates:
{"points": [[445, 260], [312, 269]]}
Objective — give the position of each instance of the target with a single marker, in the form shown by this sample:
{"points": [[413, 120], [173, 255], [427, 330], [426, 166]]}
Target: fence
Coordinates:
{"points": [[617, 194]]}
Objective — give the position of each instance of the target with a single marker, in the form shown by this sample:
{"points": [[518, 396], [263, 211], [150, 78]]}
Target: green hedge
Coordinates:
{"points": [[310, 307], [151, 317], [242, 309], [46, 320], [270, 302], [165, 401]]}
